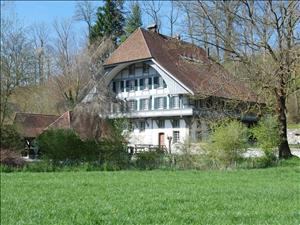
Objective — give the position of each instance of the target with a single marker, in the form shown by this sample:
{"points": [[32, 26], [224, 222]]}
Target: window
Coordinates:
{"points": [[127, 85], [145, 68], [142, 125], [142, 85], [176, 137], [144, 104], [161, 124], [114, 86], [176, 123], [131, 69], [174, 102], [150, 82], [160, 103], [131, 85], [122, 86], [132, 105], [156, 82], [135, 84]]}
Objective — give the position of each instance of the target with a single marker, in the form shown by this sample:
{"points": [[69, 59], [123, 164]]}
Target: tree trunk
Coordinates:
{"points": [[284, 149]]}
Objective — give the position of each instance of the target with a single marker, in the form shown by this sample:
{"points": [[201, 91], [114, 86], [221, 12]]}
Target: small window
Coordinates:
{"points": [[132, 105], [114, 87], [131, 85], [144, 104], [150, 82], [156, 82], [122, 86], [160, 103], [142, 125], [135, 84], [175, 123], [174, 102], [142, 85], [145, 68], [131, 69], [127, 85], [161, 124], [176, 137]]}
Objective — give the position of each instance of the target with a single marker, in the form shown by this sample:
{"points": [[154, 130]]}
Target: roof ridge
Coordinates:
{"points": [[149, 50], [41, 114]]}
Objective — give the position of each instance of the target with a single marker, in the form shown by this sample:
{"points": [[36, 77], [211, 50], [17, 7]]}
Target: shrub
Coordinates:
{"points": [[228, 142], [10, 138], [11, 159], [65, 148], [266, 133], [60, 145], [150, 160]]}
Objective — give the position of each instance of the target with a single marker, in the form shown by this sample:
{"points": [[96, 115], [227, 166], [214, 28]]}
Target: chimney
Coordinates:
{"points": [[152, 28], [178, 37]]}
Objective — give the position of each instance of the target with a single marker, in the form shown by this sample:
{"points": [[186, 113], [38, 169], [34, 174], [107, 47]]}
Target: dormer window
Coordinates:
{"points": [[131, 69], [145, 68]]}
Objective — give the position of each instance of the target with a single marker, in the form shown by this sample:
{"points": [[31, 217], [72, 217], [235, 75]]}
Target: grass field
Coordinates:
{"points": [[260, 196]]}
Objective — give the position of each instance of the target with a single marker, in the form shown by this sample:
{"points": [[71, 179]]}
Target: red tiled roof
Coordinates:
{"points": [[186, 62], [84, 124], [31, 125]]}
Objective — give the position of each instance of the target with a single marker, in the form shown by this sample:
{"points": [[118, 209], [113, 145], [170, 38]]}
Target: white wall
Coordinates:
{"points": [[150, 135]]}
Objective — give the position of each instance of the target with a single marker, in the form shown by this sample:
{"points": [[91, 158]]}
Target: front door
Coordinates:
{"points": [[161, 139]]}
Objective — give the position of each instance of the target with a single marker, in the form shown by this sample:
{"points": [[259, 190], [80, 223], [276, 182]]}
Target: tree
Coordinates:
{"points": [[152, 8], [134, 20], [172, 17], [43, 51], [17, 62], [85, 11], [269, 55], [110, 21]]}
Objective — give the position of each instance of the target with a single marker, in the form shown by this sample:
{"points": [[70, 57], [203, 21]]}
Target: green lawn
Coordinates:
{"points": [[260, 196]]}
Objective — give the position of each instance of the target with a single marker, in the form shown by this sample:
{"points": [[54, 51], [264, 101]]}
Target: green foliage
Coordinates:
{"points": [[10, 138], [64, 147], [150, 159], [228, 142], [267, 135], [110, 21], [61, 145], [133, 21]]}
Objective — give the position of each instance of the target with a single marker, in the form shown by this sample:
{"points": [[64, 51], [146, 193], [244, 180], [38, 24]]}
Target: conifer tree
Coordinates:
{"points": [[134, 20], [110, 21]]}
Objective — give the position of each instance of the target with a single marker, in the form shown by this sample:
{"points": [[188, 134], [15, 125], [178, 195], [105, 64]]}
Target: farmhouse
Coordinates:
{"points": [[168, 89]]}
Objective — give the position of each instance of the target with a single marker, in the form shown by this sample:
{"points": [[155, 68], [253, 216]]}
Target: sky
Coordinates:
{"points": [[30, 12]]}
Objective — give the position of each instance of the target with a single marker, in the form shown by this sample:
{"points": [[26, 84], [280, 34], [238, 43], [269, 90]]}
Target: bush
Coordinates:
{"points": [[267, 135], [227, 143], [11, 159], [150, 160], [10, 138], [60, 145], [65, 148]]}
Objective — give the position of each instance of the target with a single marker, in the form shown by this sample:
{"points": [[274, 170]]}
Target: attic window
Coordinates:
{"points": [[131, 69], [145, 68], [191, 58]]}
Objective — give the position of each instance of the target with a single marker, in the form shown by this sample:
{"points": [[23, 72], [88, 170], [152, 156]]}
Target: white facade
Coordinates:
{"points": [[155, 102]]}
